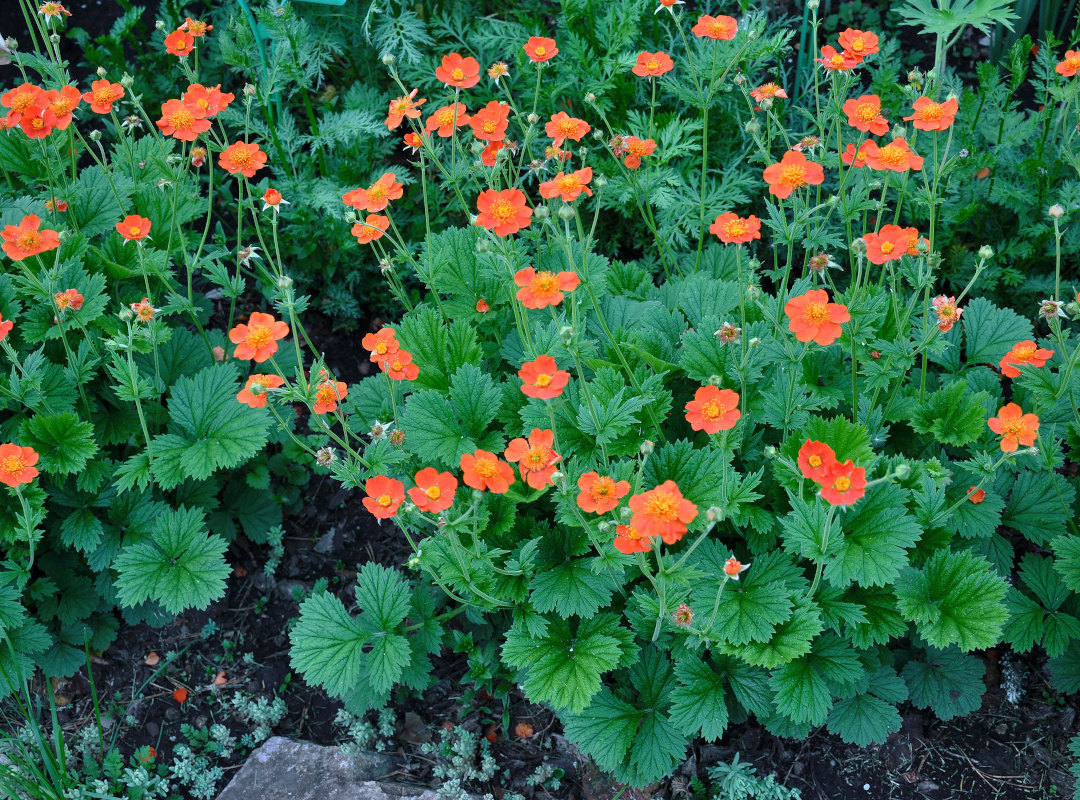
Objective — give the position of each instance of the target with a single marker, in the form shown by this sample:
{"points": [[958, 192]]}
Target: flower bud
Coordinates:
{"points": [[1056, 211], [566, 333], [646, 448], [590, 98], [714, 380], [751, 35], [986, 252], [159, 25], [812, 5], [604, 526], [1073, 309], [566, 212], [101, 72], [558, 479], [95, 136], [532, 118], [219, 352], [388, 59], [598, 134], [902, 471], [752, 126], [600, 181], [625, 514], [284, 282], [714, 514], [127, 81], [771, 452], [899, 131], [249, 90], [755, 342], [765, 103], [12, 44], [55, 38], [542, 212], [126, 314]]}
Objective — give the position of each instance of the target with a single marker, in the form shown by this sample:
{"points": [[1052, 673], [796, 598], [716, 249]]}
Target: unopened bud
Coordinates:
{"points": [[566, 212], [542, 212], [1056, 211], [159, 25], [590, 98], [12, 44], [101, 72], [249, 90], [751, 35], [646, 448], [1073, 309], [714, 380], [558, 479], [384, 265], [95, 136], [765, 103], [714, 514], [752, 126], [55, 38], [351, 217], [566, 333], [812, 5], [388, 59], [902, 471], [125, 314], [600, 181], [771, 452], [899, 131], [284, 282], [127, 81], [532, 119], [604, 526], [625, 514], [755, 342], [986, 252], [478, 147]]}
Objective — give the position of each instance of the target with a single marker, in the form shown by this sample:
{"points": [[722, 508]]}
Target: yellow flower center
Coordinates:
{"points": [[22, 101], [326, 393], [602, 489], [662, 507], [545, 283], [259, 336], [837, 60], [887, 247], [396, 366], [842, 484], [181, 118], [535, 458], [28, 240], [377, 192], [713, 409], [652, 65], [486, 468], [134, 230], [458, 74], [816, 313], [1014, 428], [858, 44], [541, 51], [12, 466], [867, 112], [502, 210], [793, 176], [567, 184], [932, 112], [489, 126], [892, 154], [61, 106], [433, 492], [385, 501], [241, 158], [1023, 352], [543, 380], [381, 348], [736, 228], [814, 461], [103, 96]]}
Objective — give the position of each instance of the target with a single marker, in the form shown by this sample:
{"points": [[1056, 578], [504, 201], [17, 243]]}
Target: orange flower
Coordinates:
{"points": [[102, 95], [864, 114], [384, 496], [815, 460], [482, 307], [976, 496], [483, 470], [1014, 426], [400, 366], [504, 212], [498, 70], [490, 122], [5, 327], [948, 314], [211, 100], [17, 464], [858, 44], [831, 59], [412, 141], [53, 11], [37, 121], [370, 229], [272, 199], [69, 298], [198, 156], [539, 49], [567, 187], [61, 102], [257, 340], [844, 483], [543, 289], [1025, 352], [381, 344], [443, 120], [377, 196], [490, 153], [179, 43], [768, 91], [713, 410], [662, 512], [637, 149], [720, 27], [535, 459], [242, 157], [930, 116], [434, 490], [27, 239], [599, 493], [328, 394], [144, 312], [733, 568], [914, 241], [896, 155], [853, 158], [652, 65], [812, 318], [257, 398], [463, 73], [1071, 65], [20, 100], [628, 540], [133, 228], [792, 172], [404, 108], [196, 27], [562, 126], [180, 695], [733, 229], [888, 244], [542, 378]]}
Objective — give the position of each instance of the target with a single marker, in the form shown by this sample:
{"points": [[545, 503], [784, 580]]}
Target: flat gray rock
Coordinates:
{"points": [[284, 769]]}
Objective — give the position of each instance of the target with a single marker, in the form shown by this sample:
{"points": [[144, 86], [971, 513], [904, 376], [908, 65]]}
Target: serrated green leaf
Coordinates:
{"points": [[952, 415], [790, 640], [947, 681], [1039, 505], [328, 644], [605, 730], [955, 598], [863, 719], [877, 532], [991, 332], [383, 595], [570, 588], [63, 441], [697, 701]]}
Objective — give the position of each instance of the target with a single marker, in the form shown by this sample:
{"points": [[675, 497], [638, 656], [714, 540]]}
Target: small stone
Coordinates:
{"points": [[325, 545]]}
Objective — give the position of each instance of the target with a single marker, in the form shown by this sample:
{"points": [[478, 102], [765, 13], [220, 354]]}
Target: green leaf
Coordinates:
{"points": [[445, 429], [748, 609], [328, 644], [571, 587], [952, 415], [947, 681], [790, 640], [991, 332], [976, 520], [1039, 505], [1067, 563], [605, 729], [863, 719], [883, 622], [697, 472], [438, 350], [564, 668], [208, 430], [877, 533], [803, 688], [388, 657], [383, 595], [180, 565], [697, 702], [63, 442], [955, 598]]}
